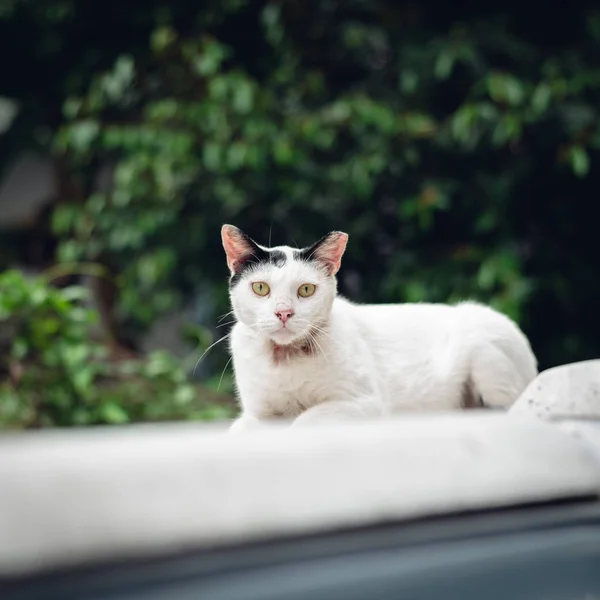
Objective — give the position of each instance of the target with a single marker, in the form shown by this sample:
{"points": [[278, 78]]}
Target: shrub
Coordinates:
{"points": [[54, 372]]}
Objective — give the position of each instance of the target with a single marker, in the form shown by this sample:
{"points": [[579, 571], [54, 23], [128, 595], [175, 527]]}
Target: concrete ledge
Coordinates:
{"points": [[70, 497]]}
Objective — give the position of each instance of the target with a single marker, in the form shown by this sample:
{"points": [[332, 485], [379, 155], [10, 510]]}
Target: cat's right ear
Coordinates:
{"points": [[238, 247]]}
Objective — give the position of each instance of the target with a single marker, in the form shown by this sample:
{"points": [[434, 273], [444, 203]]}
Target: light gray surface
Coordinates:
{"points": [[587, 432], [571, 390], [74, 496]]}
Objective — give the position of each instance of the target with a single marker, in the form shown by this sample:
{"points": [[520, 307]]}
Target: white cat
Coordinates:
{"points": [[302, 352]]}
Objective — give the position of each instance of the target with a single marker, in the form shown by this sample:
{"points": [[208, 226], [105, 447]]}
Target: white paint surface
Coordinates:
{"points": [[76, 496]]}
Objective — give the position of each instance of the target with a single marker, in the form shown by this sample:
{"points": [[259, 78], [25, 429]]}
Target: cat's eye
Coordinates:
{"points": [[260, 288], [306, 290]]}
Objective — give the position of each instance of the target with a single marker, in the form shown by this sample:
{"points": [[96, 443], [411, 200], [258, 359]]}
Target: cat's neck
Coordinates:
{"points": [[312, 344], [290, 352]]}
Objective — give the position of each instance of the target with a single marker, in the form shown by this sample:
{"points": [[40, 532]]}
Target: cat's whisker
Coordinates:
{"points": [[224, 316], [312, 327], [223, 373], [225, 324], [321, 330], [311, 335], [209, 348], [313, 340]]}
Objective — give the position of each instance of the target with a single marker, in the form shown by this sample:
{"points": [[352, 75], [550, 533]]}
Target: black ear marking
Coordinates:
{"points": [[239, 248], [307, 253], [243, 253], [327, 251]]}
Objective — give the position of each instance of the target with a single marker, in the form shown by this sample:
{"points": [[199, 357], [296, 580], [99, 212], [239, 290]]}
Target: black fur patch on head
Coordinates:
{"points": [[276, 258]]}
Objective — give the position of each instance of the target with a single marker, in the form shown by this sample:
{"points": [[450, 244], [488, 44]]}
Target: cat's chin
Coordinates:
{"points": [[284, 337]]}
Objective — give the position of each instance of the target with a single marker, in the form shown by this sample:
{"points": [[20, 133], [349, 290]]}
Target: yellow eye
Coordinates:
{"points": [[306, 290], [260, 288]]}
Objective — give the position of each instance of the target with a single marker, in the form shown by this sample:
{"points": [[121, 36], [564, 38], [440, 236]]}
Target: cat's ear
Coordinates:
{"points": [[238, 247], [329, 251]]}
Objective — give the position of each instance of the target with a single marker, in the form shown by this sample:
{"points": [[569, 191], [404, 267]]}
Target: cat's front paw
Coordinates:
{"points": [[339, 411], [245, 422]]}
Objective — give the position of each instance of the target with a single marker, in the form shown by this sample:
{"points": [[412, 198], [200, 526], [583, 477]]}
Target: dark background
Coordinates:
{"points": [[455, 142]]}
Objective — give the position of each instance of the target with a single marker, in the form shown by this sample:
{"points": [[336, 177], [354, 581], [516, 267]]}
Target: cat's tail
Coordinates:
{"points": [[502, 362]]}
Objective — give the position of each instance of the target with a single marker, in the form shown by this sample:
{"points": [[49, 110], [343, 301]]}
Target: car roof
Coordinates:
{"points": [[79, 496]]}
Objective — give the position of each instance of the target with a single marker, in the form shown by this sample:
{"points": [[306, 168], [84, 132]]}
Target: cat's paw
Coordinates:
{"points": [[339, 411], [244, 423], [325, 417]]}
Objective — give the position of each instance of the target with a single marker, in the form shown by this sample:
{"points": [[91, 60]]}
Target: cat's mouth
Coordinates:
{"points": [[284, 335]]}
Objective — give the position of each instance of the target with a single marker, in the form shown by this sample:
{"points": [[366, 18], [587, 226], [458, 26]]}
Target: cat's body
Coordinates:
{"points": [[332, 359]]}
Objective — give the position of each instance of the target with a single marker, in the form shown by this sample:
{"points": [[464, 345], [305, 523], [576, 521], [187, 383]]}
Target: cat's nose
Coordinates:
{"points": [[283, 314]]}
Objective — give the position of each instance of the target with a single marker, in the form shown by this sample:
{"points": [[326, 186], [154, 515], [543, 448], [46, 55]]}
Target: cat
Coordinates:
{"points": [[302, 352]]}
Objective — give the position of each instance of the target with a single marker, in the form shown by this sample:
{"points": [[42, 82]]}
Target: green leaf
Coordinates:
{"points": [[419, 125], [444, 64], [211, 156], [236, 155], [541, 97], [72, 108], [486, 277], [74, 355], [506, 88], [282, 150], [209, 62], [113, 414], [508, 129], [83, 380], [218, 88], [409, 81], [162, 38], [75, 293], [580, 160], [83, 133], [462, 123], [243, 97], [185, 394]]}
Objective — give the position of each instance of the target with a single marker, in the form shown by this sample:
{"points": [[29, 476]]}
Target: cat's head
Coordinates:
{"points": [[282, 293]]}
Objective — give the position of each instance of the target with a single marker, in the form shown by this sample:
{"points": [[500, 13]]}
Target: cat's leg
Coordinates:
{"points": [[245, 422], [335, 411], [500, 362], [500, 373]]}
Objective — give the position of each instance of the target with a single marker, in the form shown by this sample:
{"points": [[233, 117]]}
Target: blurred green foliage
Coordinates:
{"points": [[54, 373], [455, 144]]}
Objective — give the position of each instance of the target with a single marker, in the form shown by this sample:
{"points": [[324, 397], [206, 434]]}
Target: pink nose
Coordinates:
{"points": [[284, 314]]}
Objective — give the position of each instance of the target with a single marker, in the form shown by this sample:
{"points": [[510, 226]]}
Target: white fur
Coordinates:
{"points": [[369, 360]]}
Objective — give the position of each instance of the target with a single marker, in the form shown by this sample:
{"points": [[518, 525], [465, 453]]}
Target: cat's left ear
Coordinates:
{"points": [[329, 251], [238, 247]]}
